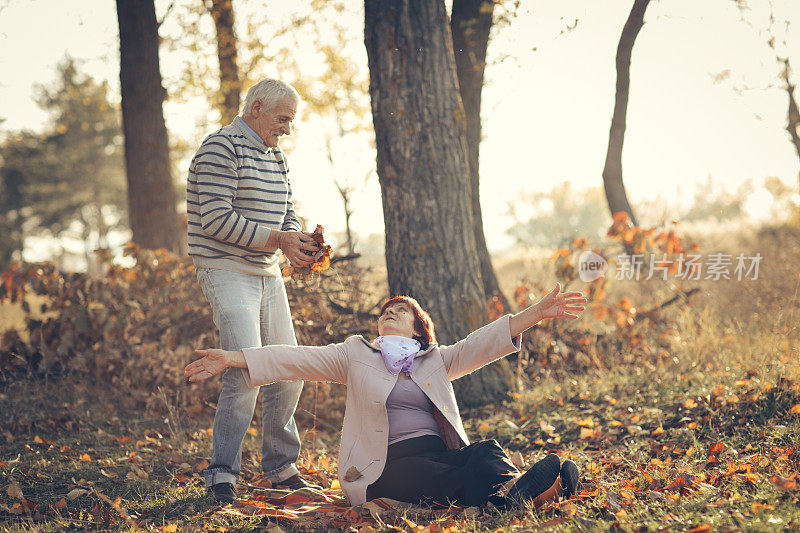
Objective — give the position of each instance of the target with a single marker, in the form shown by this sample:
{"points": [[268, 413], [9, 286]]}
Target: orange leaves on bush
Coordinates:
{"points": [[522, 295], [85, 458], [620, 222], [561, 252], [689, 404], [495, 307], [795, 410], [626, 305]]}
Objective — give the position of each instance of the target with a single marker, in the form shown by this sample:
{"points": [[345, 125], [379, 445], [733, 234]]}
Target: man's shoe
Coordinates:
{"points": [[296, 482], [223, 493], [570, 479]]}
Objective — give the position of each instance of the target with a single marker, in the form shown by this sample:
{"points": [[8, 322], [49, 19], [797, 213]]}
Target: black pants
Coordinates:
{"points": [[422, 470]]}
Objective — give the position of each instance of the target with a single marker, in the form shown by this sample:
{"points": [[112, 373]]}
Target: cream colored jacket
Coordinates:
{"points": [[359, 365]]}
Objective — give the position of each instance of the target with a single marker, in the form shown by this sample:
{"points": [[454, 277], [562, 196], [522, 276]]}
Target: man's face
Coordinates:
{"points": [[271, 124]]}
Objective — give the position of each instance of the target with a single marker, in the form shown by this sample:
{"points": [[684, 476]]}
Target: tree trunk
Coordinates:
{"points": [[612, 172], [348, 212], [87, 247], [792, 113], [344, 191], [102, 227], [229, 83], [470, 23], [151, 196], [424, 176]]}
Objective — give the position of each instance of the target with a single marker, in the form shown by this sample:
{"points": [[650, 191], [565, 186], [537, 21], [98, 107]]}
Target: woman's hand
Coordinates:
{"points": [[212, 363], [557, 305]]}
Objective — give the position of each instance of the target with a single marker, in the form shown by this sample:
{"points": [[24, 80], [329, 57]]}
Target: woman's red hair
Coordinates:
{"points": [[423, 325]]}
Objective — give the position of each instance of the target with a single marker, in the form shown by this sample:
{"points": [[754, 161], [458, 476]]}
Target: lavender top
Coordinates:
{"points": [[410, 412]]}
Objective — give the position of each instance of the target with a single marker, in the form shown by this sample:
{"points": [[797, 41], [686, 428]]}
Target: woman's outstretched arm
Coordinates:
{"points": [[274, 363], [554, 305], [213, 362], [493, 341]]}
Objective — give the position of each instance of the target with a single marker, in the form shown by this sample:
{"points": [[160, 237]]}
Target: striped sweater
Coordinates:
{"points": [[237, 190]]}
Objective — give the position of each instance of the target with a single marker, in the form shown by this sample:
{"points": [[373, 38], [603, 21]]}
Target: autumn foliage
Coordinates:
{"points": [[135, 327], [664, 438]]}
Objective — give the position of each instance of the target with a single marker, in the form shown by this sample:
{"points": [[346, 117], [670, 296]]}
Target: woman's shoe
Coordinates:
{"points": [[570, 479], [539, 478]]}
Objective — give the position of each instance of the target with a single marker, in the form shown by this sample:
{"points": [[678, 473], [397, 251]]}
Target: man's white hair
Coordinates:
{"points": [[269, 92]]}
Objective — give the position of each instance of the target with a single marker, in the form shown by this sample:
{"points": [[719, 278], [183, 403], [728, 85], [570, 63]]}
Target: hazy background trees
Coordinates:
{"points": [[68, 179]]}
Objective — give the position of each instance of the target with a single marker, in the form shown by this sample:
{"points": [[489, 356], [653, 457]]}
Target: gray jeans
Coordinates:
{"points": [[251, 311]]}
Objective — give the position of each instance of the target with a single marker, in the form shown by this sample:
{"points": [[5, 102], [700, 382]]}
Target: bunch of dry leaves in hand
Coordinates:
{"points": [[322, 259]]}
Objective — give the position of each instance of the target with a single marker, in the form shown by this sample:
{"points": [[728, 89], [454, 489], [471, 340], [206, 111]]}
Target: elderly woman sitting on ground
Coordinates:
{"points": [[402, 436]]}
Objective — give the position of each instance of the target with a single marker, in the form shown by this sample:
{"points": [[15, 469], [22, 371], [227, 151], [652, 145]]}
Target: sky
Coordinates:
{"points": [[705, 99]]}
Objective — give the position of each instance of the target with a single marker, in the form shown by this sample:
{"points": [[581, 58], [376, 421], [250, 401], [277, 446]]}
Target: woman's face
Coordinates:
{"points": [[397, 319]]}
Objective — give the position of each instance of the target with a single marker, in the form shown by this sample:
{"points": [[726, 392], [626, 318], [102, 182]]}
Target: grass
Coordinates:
{"points": [[684, 439], [60, 438]]}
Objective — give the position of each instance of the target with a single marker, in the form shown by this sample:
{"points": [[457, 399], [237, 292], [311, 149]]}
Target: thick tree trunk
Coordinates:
{"points": [[229, 83], [470, 23], [424, 176], [792, 113], [151, 196], [612, 172]]}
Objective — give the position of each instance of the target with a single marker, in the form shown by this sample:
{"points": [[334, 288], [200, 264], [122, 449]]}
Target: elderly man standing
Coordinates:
{"points": [[240, 213]]}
